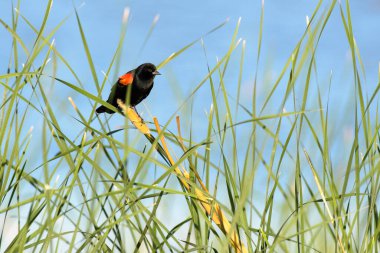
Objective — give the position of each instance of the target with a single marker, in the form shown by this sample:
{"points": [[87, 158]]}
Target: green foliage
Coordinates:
{"points": [[284, 187]]}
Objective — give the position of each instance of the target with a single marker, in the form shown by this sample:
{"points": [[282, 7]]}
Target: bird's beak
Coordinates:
{"points": [[156, 73]]}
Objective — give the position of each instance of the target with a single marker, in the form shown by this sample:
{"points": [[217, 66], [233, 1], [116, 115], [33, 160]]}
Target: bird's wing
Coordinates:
{"points": [[113, 92], [123, 80], [127, 78]]}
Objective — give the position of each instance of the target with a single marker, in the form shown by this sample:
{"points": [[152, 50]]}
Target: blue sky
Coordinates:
{"points": [[179, 23]]}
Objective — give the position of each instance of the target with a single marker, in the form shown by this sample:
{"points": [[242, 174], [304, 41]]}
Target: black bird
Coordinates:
{"points": [[139, 80]]}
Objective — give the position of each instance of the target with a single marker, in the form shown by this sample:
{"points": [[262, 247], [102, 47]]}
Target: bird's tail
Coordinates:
{"points": [[102, 109]]}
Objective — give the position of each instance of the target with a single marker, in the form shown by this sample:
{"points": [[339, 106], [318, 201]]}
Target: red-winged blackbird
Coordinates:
{"points": [[141, 81]]}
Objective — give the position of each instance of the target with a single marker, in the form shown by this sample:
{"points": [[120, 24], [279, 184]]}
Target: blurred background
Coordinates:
{"points": [[179, 24], [176, 24]]}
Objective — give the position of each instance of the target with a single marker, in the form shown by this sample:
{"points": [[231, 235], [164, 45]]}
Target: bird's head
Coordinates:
{"points": [[147, 71]]}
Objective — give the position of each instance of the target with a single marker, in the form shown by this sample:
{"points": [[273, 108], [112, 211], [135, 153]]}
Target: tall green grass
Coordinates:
{"points": [[276, 173]]}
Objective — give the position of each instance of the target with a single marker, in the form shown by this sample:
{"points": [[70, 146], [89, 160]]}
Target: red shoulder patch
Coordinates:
{"points": [[126, 79]]}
